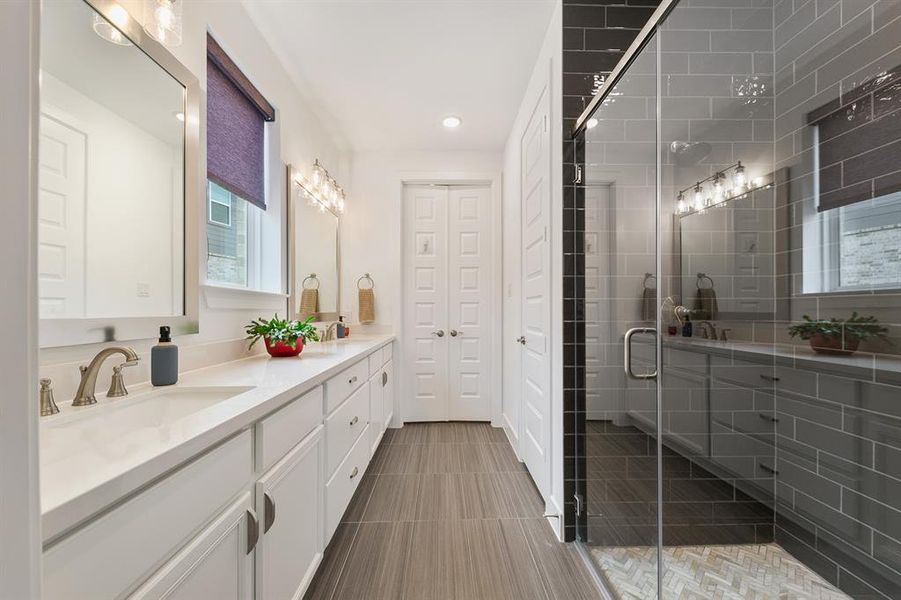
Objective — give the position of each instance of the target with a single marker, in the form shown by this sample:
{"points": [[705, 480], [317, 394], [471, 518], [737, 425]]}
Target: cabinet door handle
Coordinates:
{"points": [[384, 378], [352, 380], [769, 469], [354, 472], [253, 530], [354, 421], [269, 512], [769, 378], [767, 417]]}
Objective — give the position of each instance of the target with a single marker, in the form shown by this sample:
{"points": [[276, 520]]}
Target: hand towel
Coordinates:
{"points": [[705, 304], [309, 303], [366, 300], [649, 304]]}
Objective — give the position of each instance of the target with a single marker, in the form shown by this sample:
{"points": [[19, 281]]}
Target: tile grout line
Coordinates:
{"points": [[340, 576]]}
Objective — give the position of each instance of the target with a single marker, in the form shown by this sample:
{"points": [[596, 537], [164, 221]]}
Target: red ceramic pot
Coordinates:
{"points": [[281, 349], [832, 344]]}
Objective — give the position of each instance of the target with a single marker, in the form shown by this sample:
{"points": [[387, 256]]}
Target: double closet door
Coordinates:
{"points": [[447, 302]]}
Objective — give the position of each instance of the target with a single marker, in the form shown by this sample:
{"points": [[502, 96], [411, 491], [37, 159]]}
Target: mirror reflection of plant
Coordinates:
{"points": [[281, 330], [855, 327]]}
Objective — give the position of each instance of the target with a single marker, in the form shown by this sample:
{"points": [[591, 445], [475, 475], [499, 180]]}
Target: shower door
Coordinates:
{"points": [[617, 152]]}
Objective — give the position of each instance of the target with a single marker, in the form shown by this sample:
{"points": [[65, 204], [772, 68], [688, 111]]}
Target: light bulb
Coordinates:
{"points": [[738, 178], [681, 206], [108, 29], [758, 182], [699, 197], [591, 123], [718, 189], [162, 20]]}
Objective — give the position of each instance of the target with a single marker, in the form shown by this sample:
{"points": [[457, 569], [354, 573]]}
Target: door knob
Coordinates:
{"points": [[439, 333], [522, 340], [454, 333]]}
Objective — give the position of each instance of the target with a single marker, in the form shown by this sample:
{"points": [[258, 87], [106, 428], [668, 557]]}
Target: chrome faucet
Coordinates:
{"points": [[708, 330], [85, 394], [331, 332]]}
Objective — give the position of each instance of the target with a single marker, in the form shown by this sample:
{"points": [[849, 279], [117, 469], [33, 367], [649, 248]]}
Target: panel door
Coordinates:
{"points": [[61, 220], [290, 503], [469, 303], [425, 314], [215, 564], [536, 299]]}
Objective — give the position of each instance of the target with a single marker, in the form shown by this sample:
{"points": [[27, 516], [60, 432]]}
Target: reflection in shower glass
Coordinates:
{"points": [[743, 198]]}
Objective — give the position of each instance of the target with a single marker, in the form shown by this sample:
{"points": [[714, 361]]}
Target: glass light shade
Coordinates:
{"points": [[108, 30], [162, 21]]}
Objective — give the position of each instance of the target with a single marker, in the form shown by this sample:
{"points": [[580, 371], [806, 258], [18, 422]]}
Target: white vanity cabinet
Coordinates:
{"points": [[246, 518], [216, 564], [289, 502]]}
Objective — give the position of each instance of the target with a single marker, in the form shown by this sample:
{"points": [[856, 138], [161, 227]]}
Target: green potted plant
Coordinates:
{"points": [[837, 336], [282, 337]]}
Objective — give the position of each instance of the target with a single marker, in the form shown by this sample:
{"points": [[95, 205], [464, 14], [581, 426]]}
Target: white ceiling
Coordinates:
{"points": [[387, 71]]}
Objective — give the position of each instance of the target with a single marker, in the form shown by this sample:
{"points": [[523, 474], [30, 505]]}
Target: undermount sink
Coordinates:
{"points": [[114, 425]]}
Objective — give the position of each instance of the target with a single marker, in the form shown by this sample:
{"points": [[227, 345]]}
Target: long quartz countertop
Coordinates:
{"points": [[82, 475]]}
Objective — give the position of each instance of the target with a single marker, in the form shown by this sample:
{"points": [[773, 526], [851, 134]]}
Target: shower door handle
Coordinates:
{"points": [[627, 353]]}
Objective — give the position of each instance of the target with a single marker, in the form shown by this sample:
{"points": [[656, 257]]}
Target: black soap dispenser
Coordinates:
{"points": [[687, 327], [164, 360]]}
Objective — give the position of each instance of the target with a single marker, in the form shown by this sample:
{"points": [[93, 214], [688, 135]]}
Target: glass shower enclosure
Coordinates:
{"points": [[741, 185]]}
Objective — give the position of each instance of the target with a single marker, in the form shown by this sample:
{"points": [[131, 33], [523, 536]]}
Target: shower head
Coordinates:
{"points": [[689, 153]]}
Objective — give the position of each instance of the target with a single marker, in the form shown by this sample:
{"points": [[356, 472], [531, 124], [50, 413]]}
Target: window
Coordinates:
{"points": [[220, 206], [863, 245], [238, 119]]}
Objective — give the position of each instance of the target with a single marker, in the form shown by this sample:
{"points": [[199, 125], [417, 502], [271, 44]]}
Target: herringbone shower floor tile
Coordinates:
{"points": [[736, 572]]}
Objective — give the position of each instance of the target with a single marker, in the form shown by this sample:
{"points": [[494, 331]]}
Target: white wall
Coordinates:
{"points": [[134, 187], [20, 540], [546, 74], [301, 137]]}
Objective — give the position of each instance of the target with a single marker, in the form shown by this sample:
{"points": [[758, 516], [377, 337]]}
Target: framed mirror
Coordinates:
{"points": [[313, 256], [118, 179]]}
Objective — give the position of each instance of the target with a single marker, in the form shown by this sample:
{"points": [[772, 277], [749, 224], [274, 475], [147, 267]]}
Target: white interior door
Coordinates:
{"points": [[61, 220], [536, 297], [469, 303], [448, 294], [425, 309]]}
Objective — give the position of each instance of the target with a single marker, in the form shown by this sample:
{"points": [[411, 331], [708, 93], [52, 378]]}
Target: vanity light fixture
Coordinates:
{"points": [[162, 21], [321, 190], [728, 184], [109, 29], [451, 122]]}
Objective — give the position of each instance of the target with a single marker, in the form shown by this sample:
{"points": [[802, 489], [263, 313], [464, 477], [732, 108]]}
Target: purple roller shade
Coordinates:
{"points": [[234, 139]]}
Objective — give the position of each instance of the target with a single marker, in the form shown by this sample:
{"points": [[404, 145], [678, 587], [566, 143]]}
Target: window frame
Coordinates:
{"points": [[211, 201]]}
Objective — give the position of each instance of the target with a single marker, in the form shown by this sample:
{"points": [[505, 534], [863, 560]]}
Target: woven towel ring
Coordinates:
{"points": [[314, 278], [701, 278], [368, 278], [648, 277]]}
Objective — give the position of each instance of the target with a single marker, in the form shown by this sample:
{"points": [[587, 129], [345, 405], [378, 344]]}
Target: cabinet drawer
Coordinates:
{"points": [[696, 362], [342, 385], [743, 372], [343, 484], [344, 426], [387, 352], [114, 553], [283, 429]]}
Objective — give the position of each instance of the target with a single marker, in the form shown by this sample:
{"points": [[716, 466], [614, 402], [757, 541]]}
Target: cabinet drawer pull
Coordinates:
{"points": [[352, 380], [384, 378], [354, 472], [769, 378], [253, 530], [769, 469], [269, 516], [354, 421], [767, 417]]}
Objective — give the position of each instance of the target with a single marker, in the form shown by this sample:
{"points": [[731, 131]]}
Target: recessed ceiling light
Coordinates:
{"points": [[451, 122], [592, 123], [180, 116]]}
